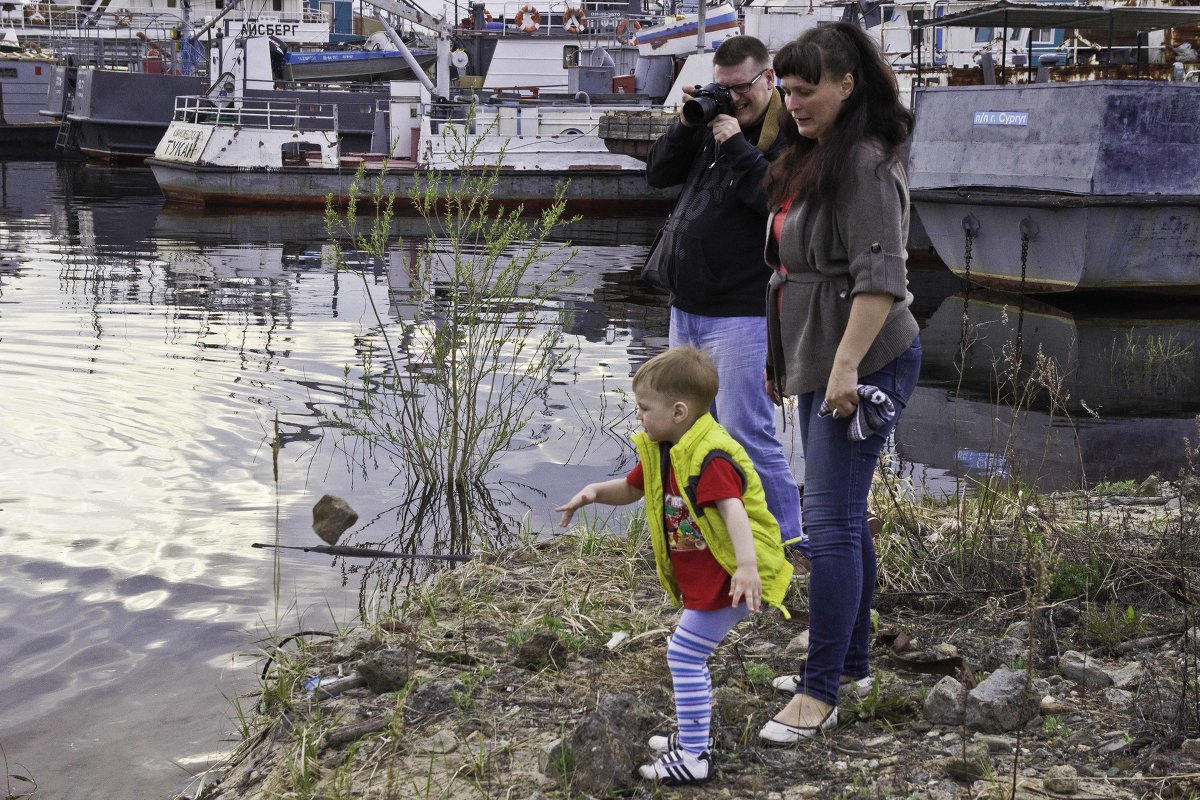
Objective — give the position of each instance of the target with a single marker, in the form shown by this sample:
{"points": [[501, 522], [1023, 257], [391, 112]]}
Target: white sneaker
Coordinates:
{"points": [[677, 767], [861, 687], [661, 744]]}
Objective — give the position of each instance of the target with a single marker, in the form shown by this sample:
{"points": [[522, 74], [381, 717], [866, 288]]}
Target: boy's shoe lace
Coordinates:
{"points": [[663, 743]]}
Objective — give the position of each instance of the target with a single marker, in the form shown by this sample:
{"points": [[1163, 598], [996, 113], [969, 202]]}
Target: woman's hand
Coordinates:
{"points": [[774, 390], [841, 392]]}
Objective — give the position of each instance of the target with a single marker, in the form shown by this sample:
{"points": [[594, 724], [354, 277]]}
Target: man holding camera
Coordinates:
{"points": [[719, 149]]}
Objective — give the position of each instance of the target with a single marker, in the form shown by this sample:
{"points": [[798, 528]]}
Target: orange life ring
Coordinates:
{"points": [[574, 20], [534, 19], [627, 30]]}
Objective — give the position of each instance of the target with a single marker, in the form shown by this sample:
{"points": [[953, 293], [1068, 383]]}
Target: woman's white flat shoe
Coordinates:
{"points": [[781, 733]]}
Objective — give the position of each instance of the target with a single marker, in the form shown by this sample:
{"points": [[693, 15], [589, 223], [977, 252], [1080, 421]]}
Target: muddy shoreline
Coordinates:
{"points": [[538, 671]]}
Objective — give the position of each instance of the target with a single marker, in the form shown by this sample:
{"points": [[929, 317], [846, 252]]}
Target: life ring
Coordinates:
{"points": [[531, 24], [627, 30], [574, 20], [124, 18]]}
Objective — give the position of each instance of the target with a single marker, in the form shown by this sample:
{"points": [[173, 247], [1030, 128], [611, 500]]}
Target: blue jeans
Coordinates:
{"points": [[838, 474], [738, 346]]}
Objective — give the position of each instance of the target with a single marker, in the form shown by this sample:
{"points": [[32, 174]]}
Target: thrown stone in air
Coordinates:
{"points": [[331, 517]]}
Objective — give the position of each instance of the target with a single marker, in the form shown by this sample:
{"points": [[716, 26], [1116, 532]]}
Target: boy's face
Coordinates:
{"points": [[662, 419]]}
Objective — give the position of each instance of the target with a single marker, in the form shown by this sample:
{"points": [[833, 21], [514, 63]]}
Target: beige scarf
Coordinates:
{"points": [[770, 126]]}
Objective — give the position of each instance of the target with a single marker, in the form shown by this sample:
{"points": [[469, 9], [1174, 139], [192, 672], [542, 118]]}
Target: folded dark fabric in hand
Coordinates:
{"points": [[875, 410]]}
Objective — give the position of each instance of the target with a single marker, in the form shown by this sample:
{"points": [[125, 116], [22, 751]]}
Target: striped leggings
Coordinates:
{"points": [[694, 640]]}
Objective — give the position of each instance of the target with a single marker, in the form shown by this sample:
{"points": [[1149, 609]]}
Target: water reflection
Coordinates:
{"points": [[146, 355], [1060, 397]]}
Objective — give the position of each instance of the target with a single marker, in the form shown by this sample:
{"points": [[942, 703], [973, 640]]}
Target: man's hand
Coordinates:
{"points": [[724, 128], [687, 95]]}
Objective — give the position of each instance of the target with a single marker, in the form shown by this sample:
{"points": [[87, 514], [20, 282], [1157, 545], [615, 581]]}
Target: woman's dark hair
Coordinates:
{"points": [[873, 110]]}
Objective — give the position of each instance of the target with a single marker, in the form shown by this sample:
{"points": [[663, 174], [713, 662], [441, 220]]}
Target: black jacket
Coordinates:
{"points": [[717, 231]]}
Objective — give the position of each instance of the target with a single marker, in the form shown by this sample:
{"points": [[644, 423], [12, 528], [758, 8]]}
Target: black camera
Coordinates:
{"points": [[706, 103]]}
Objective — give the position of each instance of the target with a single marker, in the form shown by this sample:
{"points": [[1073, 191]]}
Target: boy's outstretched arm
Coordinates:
{"points": [[746, 583], [617, 492]]}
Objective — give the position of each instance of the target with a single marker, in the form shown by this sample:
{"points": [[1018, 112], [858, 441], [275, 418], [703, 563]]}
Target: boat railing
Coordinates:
{"points": [[591, 23], [257, 113]]}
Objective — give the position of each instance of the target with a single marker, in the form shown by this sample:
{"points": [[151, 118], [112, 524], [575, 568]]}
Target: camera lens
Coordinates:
{"points": [[699, 111]]}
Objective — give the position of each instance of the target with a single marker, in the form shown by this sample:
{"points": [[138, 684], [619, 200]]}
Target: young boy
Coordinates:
{"points": [[716, 545]]}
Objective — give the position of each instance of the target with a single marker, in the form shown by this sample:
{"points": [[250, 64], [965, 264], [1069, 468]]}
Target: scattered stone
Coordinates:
{"points": [[1018, 631], [798, 644], [1002, 703], [963, 771], [1052, 705], [355, 646], [604, 750], [1125, 676], [385, 671], [946, 702], [1061, 779], [1149, 487], [1119, 699], [444, 741], [1113, 746], [1084, 670], [1190, 747], [996, 743], [541, 651], [331, 517], [438, 697], [1066, 614], [945, 650], [801, 792]]}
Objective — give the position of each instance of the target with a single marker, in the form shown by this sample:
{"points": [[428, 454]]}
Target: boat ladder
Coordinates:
{"points": [[66, 140]]}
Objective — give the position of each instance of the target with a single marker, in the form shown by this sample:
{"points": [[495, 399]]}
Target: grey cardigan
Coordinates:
{"points": [[833, 252]]}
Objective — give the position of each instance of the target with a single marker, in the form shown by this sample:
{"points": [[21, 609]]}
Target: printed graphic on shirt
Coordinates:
{"points": [[682, 532]]}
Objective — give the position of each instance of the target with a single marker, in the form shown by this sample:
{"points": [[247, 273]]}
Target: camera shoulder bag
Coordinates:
{"points": [[655, 269]]}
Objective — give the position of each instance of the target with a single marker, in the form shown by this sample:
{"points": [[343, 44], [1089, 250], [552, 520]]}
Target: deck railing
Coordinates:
{"points": [[258, 114]]}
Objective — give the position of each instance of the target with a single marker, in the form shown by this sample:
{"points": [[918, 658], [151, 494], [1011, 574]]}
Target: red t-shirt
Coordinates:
{"points": [[702, 581]]}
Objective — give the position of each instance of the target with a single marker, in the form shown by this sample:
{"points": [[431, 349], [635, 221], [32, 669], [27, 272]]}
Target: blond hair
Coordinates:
{"points": [[681, 373]]}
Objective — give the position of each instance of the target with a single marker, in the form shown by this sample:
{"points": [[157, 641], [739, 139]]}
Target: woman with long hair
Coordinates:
{"points": [[841, 337]]}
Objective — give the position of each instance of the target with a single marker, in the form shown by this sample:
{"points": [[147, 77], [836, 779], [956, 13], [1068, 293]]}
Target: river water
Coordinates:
{"points": [[147, 355]]}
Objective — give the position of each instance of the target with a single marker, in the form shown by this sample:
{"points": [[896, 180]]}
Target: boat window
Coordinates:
{"points": [[8, 72], [299, 153], [983, 35], [570, 56], [1042, 35], [277, 5], [1016, 35]]}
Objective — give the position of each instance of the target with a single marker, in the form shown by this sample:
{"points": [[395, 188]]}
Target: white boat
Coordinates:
{"points": [[1065, 185], [266, 153]]}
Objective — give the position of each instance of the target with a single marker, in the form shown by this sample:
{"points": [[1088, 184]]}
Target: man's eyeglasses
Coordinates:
{"points": [[743, 88]]}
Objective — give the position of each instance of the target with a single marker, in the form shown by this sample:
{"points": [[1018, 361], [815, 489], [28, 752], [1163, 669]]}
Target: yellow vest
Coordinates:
{"points": [[688, 457]]}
